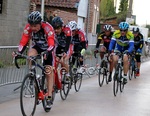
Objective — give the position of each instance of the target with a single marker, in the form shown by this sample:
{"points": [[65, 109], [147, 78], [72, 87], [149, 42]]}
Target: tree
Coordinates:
{"points": [[107, 8], [123, 9]]}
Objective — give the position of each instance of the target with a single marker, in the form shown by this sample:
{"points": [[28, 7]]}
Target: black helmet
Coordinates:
{"points": [[57, 22], [135, 29], [34, 18]]}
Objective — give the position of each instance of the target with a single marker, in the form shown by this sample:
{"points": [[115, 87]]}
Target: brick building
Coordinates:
{"points": [[85, 12], [13, 15]]}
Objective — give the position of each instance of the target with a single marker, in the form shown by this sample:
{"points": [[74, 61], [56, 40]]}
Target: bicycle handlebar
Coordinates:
{"points": [[32, 58]]}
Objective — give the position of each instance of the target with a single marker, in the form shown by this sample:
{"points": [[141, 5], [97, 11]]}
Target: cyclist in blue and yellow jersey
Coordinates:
{"points": [[138, 45], [105, 38], [122, 39]]}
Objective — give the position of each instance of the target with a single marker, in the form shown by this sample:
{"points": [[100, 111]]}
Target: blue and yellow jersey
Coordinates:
{"points": [[122, 42]]}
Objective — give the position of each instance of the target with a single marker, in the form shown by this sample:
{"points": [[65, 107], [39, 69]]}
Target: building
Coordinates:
{"points": [[85, 12], [13, 15]]}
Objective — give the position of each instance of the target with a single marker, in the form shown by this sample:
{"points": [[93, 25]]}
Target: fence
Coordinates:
{"points": [[9, 74]]}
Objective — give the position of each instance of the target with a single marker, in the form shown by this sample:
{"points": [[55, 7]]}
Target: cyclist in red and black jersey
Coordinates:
{"points": [[105, 38], [138, 45], [62, 42], [79, 41], [42, 36]]}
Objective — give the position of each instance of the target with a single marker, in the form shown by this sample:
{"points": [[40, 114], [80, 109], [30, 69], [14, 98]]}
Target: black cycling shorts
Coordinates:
{"points": [[138, 58], [49, 60]]}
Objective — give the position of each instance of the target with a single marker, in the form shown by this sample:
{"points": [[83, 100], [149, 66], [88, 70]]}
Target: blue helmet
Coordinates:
{"points": [[124, 25]]}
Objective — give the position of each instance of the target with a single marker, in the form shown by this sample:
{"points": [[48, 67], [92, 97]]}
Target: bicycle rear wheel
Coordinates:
{"points": [[77, 81], [130, 72], [66, 84], [28, 96]]}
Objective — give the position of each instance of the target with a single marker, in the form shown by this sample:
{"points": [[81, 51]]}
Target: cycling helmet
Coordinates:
{"points": [[72, 25], [136, 29], [57, 22], [34, 18], [107, 27], [124, 25]]}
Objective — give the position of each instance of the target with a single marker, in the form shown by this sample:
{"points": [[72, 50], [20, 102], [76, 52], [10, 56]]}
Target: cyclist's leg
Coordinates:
{"points": [[102, 49], [33, 52], [110, 68], [49, 77], [138, 60], [125, 67]]}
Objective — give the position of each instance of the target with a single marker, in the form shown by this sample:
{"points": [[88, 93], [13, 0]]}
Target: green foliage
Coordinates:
{"points": [[107, 8], [123, 6]]}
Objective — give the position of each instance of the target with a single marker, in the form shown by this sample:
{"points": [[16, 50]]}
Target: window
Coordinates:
{"points": [[1, 6]]}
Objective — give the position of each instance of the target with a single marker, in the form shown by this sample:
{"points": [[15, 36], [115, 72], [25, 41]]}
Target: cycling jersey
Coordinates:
{"points": [[63, 41], [138, 41], [79, 40], [106, 39], [122, 43], [44, 38]]}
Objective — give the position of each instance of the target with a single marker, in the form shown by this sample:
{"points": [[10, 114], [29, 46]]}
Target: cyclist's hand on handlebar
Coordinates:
{"points": [[45, 54]]}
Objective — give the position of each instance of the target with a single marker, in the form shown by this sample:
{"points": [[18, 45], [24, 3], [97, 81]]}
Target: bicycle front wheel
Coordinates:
{"points": [[116, 80], [77, 81], [28, 96], [66, 84], [100, 77]]}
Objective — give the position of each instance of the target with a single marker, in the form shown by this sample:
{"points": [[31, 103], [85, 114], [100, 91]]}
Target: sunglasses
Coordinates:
{"points": [[123, 30]]}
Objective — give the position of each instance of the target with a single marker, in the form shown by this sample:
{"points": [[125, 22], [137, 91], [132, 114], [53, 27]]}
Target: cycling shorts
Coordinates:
{"points": [[49, 60]]}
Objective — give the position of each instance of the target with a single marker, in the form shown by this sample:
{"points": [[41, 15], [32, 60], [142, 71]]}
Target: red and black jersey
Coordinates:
{"points": [[79, 40], [44, 38], [63, 39]]}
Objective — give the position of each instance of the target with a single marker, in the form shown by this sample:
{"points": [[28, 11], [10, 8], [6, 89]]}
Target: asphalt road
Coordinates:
{"points": [[91, 100]]}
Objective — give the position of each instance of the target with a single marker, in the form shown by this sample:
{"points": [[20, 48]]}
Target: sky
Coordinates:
{"points": [[141, 8]]}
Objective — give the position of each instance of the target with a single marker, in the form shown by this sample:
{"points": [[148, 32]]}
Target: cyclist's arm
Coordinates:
{"points": [[131, 44], [50, 36], [68, 39], [25, 39], [112, 43], [141, 42]]}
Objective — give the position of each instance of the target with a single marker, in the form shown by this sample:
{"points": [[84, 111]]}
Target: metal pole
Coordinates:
{"points": [[129, 14], [42, 8]]}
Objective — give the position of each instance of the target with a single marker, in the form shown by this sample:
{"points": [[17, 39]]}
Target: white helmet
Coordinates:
{"points": [[72, 25], [107, 27]]}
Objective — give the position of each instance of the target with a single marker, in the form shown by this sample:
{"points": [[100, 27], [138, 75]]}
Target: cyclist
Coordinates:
{"points": [[62, 40], [122, 39], [78, 41], [138, 45], [42, 36], [105, 37]]}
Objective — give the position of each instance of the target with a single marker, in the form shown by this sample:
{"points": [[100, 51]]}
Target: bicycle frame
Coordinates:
{"points": [[41, 94]]}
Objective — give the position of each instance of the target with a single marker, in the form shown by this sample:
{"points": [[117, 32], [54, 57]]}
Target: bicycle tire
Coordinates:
{"points": [[100, 80], [45, 90], [28, 86], [77, 81], [66, 84], [105, 72], [130, 72], [115, 81], [121, 80]]}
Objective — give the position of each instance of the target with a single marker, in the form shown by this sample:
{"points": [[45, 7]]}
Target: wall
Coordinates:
{"points": [[12, 21]]}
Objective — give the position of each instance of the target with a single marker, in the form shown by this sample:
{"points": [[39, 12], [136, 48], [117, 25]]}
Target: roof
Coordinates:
{"points": [[59, 3]]}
